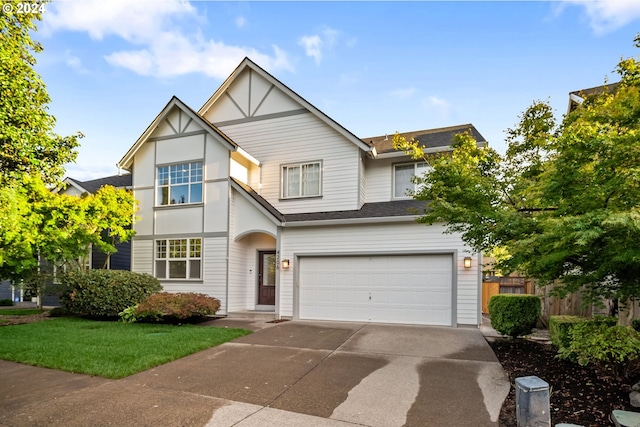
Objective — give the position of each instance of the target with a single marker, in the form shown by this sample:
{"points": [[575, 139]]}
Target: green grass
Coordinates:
{"points": [[106, 349], [19, 311]]}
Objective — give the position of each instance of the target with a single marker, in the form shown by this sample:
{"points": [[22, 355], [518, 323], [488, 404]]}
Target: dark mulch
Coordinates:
{"points": [[579, 395], [18, 320]]}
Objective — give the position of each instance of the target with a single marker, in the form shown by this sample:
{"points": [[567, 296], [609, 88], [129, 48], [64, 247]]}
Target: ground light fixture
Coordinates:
{"points": [[467, 262]]}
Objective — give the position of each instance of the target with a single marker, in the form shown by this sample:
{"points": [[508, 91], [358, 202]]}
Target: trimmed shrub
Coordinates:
{"points": [[105, 293], [6, 302], [614, 349], [172, 307], [514, 314], [560, 329]]}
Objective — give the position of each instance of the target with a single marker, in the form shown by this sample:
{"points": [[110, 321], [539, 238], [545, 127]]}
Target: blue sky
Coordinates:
{"points": [[375, 67]]}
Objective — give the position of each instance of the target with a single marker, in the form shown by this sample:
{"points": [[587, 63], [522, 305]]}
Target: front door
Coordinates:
{"points": [[266, 278]]}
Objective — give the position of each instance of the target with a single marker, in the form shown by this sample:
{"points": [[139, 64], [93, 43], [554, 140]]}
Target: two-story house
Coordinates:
{"points": [[266, 203]]}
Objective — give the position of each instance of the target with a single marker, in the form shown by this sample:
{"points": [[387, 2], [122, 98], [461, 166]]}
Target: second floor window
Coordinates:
{"points": [[403, 175], [180, 183], [301, 180]]}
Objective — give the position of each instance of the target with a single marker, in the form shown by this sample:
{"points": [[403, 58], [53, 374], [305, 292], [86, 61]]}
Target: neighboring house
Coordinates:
{"points": [[577, 97], [121, 260], [266, 203]]}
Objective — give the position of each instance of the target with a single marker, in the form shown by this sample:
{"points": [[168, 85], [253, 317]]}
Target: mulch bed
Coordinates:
{"points": [[18, 320], [579, 395]]}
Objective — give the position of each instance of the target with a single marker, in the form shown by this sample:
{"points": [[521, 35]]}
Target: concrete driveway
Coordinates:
{"points": [[287, 374]]}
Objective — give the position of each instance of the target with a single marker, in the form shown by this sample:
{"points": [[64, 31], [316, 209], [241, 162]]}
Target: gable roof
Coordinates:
{"points": [[434, 139], [127, 160], [91, 186], [248, 63], [261, 201]]}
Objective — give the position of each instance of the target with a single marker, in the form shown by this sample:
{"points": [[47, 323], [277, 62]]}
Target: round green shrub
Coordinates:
{"points": [[514, 314], [609, 348], [560, 329], [105, 293]]}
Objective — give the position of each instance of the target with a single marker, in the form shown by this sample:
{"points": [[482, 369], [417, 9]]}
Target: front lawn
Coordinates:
{"points": [[106, 349]]}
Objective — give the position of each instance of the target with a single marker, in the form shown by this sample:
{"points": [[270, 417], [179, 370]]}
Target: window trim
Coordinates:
{"points": [[299, 165], [393, 178], [189, 184], [187, 259]]}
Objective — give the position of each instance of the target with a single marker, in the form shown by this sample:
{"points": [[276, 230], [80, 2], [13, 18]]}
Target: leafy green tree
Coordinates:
{"points": [[41, 225], [27, 141], [564, 200]]}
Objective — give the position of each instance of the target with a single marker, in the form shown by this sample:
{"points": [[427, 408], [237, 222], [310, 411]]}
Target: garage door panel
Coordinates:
{"points": [[390, 288]]}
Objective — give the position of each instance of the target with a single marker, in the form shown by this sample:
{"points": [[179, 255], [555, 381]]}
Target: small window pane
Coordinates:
{"points": [[194, 269], [196, 172], [292, 181], [195, 248], [403, 184], [178, 248], [179, 194], [196, 193], [163, 175], [163, 195], [161, 249], [177, 269], [311, 179], [161, 269]]}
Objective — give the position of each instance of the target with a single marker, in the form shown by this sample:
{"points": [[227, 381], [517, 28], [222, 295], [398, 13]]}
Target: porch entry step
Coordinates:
{"points": [[252, 314]]}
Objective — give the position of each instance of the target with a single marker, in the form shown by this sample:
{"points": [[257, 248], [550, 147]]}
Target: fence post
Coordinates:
{"points": [[532, 402]]}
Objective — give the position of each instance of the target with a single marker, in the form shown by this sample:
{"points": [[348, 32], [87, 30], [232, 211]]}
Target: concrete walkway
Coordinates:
{"points": [[287, 374]]}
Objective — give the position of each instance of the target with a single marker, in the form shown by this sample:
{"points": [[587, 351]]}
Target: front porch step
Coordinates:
{"points": [[252, 314]]}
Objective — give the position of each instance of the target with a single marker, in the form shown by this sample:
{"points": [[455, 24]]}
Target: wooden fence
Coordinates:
{"points": [[551, 306]]}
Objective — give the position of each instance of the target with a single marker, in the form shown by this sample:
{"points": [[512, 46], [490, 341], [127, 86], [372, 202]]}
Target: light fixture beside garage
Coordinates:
{"points": [[285, 264], [467, 262]]}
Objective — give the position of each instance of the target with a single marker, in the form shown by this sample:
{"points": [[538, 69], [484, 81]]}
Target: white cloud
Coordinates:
{"points": [[241, 21], [75, 63], [437, 105], [312, 46], [403, 94], [607, 15], [317, 44], [162, 48]]}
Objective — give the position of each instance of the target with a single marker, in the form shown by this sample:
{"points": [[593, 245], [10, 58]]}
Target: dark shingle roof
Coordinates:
{"points": [[118, 181], [585, 93], [429, 138], [368, 210], [395, 208]]}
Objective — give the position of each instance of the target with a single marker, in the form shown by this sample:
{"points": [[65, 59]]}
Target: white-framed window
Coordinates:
{"points": [[302, 180], [180, 183], [403, 174], [178, 258]]}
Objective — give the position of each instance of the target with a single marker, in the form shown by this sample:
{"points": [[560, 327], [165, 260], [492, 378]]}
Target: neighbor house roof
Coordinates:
{"points": [[434, 139], [577, 97], [91, 186], [247, 63]]}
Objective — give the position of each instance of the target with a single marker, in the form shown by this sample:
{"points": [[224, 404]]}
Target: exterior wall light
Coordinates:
{"points": [[285, 264], [467, 262]]}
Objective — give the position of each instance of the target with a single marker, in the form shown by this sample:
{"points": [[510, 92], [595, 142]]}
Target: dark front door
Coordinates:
{"points": [[267, 278]]}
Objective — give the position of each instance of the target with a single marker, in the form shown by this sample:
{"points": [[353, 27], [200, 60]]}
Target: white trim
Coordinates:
{"points": [[351, 221]]}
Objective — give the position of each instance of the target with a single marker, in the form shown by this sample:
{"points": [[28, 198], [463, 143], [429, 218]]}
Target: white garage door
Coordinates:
{"points": [[392, 288]]}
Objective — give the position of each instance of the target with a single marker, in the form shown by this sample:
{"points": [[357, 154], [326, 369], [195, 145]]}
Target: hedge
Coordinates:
{"points": [[514, 314]]}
